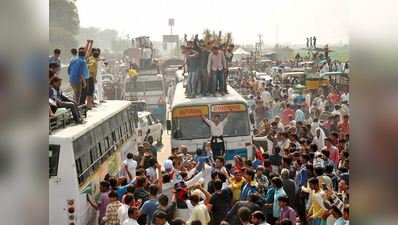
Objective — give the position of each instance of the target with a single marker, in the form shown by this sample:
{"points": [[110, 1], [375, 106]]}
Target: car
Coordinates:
{"points": [[107, 78], [258, 74], [147, 121]]}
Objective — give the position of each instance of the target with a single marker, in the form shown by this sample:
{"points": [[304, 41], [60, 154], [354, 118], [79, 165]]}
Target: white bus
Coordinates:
{"points": [[149, 87], [81, 156], [188, 128]]}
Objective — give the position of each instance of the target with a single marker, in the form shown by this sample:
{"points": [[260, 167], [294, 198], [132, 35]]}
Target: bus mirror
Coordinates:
{"points": [[251, 118], [168, 125]]}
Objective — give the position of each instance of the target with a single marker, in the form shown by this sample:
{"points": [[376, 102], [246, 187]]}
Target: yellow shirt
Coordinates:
{"points": [[316, 210], [236, 191], [93, 69]]}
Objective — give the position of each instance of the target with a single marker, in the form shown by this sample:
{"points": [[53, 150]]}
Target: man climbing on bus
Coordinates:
{"points": [[217, 130]]}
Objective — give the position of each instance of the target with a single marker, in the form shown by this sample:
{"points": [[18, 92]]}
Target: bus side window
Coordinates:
{"points": [[54, 159], [95, 154]]}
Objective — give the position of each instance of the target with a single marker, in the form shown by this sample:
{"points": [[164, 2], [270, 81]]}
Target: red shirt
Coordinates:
{"points": [[344, 127], [334, 97], [285, 115], [305, 105]]}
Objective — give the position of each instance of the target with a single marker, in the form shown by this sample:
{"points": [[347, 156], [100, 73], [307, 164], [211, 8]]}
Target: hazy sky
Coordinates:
{"points": [[327, 20]]}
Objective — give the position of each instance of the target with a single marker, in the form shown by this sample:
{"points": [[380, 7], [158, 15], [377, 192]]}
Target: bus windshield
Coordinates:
{"points": [[153, 86], [131, 87], [187, 123], [238, 124]]}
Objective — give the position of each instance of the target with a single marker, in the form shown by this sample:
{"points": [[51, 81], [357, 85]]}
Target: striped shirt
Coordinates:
{"points": [[111, 215]]}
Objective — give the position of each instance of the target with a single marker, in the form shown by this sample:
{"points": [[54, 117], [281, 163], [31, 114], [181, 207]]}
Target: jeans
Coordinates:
{"points": [[77, 90], [218, 76], [317, 221], [201, 75], [84, 93], [73, 107], [191, 82]]}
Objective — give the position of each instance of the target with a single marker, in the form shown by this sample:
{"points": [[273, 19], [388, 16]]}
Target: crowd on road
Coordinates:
{"points": [[300, 173]]}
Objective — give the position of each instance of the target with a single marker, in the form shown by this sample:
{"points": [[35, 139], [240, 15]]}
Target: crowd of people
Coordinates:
{"points": [[206, 62], [300, 174], [85, 75], [300, 170]]}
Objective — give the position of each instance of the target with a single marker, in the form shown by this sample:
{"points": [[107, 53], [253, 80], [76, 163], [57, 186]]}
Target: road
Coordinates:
{"points": [[164, 151]]}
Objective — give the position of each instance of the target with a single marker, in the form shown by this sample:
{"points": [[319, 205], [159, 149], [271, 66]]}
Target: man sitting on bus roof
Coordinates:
{"points": [[63, 101], [217, 130]]}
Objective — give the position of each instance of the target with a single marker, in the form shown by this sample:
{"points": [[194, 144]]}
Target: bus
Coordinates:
{"points": [[80, 157], [188, 128], [148, 87], [171, 74]]}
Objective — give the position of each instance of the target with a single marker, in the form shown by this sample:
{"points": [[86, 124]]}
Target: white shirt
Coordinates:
{"points": [[290, 91], [122, 213], [345, 97], [152, 174], [339, 68], [132, 165], [336, 112], [345, 108], [217, 130], [147, 53], [100, 65], [326, 68], [130, 221], [322, 104], [308, 99], [265, 96]]}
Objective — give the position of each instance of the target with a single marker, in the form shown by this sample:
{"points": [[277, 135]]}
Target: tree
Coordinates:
{"points": [[91, 33], [63, 14], [62, 39], [282, 52]]}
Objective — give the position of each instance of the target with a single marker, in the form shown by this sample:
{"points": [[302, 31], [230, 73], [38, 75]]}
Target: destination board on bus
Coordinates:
{"points": [[186, 112], [226, 108]]}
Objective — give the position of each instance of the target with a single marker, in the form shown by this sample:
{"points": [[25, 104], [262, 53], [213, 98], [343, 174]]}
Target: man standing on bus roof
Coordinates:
{"points": [[217, 130]]}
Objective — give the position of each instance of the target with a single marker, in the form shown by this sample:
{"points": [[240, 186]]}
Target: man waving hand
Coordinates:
{"points": [[217, 130]]}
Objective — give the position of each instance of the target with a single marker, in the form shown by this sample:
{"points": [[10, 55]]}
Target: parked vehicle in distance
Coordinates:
{"points": [[107, 78], [147, 121]]}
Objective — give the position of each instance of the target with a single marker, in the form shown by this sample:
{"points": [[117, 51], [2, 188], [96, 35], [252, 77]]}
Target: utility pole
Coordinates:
{"points": [[277, 33], [259, 44]]}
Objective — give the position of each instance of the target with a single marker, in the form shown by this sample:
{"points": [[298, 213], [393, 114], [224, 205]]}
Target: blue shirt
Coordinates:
{"points": [[340, 221], [192, 62], [200, 160], [276, 209], [86, 72], [52, 59], [122, 190], [302, 176], [299, 97], [299, 115], [250, 103], [269, 198], [256, 163], [149, 208], [76, 69]]}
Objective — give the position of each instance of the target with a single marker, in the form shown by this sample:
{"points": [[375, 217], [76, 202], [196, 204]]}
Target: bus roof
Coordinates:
{"points": [[94, 117], [180, 99]]}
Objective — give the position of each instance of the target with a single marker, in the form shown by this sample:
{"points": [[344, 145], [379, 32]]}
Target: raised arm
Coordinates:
{"points": [[185, 38], [207, 194], [126, 167], [90, 49], [228, 178], [229, 114], [160, 177], [226, 44], [207, 37], [218, 39], [201, 115], [86, 48], [143, 159]]}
